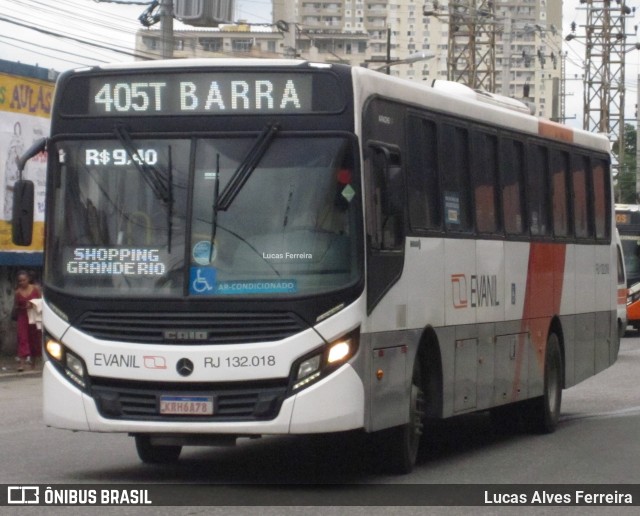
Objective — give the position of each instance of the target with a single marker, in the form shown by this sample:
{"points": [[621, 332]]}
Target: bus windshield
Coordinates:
{"points": [[631, 251], [139, 218]]}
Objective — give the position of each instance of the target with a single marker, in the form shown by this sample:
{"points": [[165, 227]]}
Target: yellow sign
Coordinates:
{"points": [[623, 218], [24, 95], [37, 243]]}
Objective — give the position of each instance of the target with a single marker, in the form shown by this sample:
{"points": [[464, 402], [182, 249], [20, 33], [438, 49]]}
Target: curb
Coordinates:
{"points": [[11, 374]]}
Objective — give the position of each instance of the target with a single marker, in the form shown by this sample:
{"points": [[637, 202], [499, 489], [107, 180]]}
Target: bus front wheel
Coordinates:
{"points": [[150, 453], [400, 444]]}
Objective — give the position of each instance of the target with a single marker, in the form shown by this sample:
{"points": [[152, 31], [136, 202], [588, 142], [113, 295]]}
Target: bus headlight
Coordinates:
{"points": [[309, 367], [67, 362], [632, 296], [323, 361], [339, 350], [74, 364], [54, 349]]}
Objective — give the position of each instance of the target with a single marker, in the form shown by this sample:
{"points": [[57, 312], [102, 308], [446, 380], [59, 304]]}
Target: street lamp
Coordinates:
{"points": [[413, 58]]}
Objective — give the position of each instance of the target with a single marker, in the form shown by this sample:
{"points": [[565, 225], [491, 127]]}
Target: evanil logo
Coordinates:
{"points": [[479, 290]]}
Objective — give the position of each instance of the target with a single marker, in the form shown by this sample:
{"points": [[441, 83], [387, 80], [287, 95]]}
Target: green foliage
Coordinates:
{"points": [[625, 180]]}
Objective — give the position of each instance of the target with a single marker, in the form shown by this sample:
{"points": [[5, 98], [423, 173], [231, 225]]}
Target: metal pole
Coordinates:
{"points": [[638, 146], [506, 53], [166, 27], [388, 50]]}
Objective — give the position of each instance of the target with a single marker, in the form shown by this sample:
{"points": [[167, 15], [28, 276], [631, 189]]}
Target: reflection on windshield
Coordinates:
{"points": [[292, 227], [110, 229]]}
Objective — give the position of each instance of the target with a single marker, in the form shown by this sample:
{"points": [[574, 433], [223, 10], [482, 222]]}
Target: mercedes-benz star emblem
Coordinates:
{"points": [[184, 367]]}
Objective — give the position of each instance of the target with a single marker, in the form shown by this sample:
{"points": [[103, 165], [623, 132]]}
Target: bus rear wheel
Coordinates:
{"points": [[150, 453], [543, 412]]}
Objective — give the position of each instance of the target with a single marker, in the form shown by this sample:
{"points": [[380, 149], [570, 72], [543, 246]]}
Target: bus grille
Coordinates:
{"points": [[253, 402], [191, 328]]}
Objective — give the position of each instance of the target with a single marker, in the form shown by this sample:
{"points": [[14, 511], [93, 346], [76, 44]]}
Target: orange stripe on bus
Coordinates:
{"points": [[633, 311], [622, 296], [542, 298], [555, 131]]}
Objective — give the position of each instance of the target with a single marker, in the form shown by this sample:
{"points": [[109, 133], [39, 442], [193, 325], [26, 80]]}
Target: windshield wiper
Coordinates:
{"points": [[170, 199], [214, 216], [222, 201], [161, 185], [246, 168]]}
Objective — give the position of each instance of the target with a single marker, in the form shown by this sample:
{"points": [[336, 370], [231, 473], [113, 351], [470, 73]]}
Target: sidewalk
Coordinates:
{"points": [[9, 367]]}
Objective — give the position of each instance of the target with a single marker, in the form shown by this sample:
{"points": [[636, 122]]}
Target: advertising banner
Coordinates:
{"points": [[25, 108]]}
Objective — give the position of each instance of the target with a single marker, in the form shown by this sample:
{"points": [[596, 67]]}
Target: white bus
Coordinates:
{"points": [[256, 247]]}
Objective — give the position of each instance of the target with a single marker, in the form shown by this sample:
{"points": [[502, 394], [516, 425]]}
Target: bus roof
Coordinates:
{"points": [[627, 207], [158, 64], [456, 99]]}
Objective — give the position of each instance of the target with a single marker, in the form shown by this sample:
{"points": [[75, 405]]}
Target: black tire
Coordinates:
{"points": [[400, 445], [544, 412], [619, 336], [155, 454]]}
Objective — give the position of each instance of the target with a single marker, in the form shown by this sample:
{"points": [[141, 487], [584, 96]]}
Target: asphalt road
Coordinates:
{"points": [[596, 443]]}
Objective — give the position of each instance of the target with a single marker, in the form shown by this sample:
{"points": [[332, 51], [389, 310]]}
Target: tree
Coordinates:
{"points": [[625, 180]]}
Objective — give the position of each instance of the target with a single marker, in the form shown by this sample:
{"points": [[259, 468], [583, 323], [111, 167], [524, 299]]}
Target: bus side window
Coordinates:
{"points": [[423, 179], [454, 147], [387, 184], [560, 192], [581, 216], [485, 156], [538, 190], [601, 206], [512, 178]]}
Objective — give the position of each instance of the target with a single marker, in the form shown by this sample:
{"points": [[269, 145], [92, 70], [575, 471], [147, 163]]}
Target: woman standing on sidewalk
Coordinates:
{"points": [[29, 337]]}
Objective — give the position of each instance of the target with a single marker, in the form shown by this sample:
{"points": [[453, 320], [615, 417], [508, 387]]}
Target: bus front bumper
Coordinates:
{"points": [[335, 403]]}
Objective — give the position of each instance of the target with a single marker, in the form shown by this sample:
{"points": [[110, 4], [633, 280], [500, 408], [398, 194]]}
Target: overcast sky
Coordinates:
{"points": [[112, 24], [103, 24]]}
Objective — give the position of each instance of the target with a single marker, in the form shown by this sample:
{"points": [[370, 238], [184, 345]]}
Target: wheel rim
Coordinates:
{"points": [[417, 416], [553, 390], [553, 381]]}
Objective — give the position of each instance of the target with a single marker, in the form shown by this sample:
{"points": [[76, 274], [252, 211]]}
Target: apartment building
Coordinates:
{"points": [[527, 38], [374, 33]]}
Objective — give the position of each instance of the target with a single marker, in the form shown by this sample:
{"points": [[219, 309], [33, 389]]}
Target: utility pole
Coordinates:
{"points": [[638, 144], [166, 28], [563, 87], [471, 57], [604, 88], [506, 53]]}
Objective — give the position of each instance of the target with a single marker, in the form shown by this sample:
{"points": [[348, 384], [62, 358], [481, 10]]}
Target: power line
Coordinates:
{"points": [[2, 36], [120, 3], [70, 19], [70, 11], [45, 54], [72, 38]]}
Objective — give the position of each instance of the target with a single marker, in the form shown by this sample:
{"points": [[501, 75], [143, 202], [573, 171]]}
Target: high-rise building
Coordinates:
{"points": [[525, 61], [529, 56]]}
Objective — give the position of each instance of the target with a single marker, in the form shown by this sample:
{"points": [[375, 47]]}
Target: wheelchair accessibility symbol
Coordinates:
{"points": [[202, 280]]}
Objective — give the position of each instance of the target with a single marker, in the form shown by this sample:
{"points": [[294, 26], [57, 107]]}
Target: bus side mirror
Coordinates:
{"points": [[40, 145], [22, 223]]}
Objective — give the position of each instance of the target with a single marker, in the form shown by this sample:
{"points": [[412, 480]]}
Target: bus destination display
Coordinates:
{"points": [[200, 93]]}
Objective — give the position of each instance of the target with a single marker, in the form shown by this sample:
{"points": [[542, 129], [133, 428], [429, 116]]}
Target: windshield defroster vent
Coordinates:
{"points": [[191, 328]]}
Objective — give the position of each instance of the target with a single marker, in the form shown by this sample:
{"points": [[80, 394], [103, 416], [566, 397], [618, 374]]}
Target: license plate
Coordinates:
{"points": [[186, 405]]}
